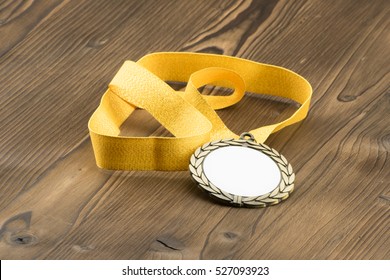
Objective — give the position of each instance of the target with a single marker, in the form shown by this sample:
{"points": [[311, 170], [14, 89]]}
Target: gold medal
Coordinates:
{"points": [[242, 172]]}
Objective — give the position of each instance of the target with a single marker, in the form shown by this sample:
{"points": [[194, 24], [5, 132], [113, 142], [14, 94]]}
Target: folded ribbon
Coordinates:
{"points": [[189, 116]]}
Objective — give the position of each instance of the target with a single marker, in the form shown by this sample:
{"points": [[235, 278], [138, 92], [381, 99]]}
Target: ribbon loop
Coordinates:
{"points": [[190, 117], [213, 75]]}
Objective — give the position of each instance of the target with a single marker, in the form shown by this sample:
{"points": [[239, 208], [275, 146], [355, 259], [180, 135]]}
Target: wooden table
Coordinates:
{"points": [[56, 60]]}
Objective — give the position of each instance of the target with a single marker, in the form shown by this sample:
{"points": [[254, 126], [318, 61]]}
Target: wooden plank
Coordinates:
{"points": [[56, 204], [18, 18]]}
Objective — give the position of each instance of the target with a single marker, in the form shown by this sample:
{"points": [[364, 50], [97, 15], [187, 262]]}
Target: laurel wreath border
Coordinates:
{"points": [[280, 193]]}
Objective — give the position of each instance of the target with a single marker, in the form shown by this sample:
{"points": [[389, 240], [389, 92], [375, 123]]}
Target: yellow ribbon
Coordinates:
{"points": [[188, 115]]}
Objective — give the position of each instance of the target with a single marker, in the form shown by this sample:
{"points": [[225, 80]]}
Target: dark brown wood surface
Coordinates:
{"points": [[56, 60]]}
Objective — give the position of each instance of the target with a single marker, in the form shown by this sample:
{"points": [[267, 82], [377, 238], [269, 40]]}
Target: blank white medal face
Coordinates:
{"points": [[242, 172]]}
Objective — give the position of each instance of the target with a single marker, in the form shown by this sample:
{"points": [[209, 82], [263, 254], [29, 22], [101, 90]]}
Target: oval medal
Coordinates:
{"points": [[242, 172]]}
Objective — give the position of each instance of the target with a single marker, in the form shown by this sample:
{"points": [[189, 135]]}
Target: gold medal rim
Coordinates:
{"points": [[280, 193]]}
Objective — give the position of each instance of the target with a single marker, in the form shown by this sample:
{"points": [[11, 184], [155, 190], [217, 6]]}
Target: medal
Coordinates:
{"points": [[242, 172], [237, 170]]}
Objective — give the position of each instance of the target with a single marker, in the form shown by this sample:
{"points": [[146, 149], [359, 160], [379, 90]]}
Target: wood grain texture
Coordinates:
{"points": [[56, 59]]}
